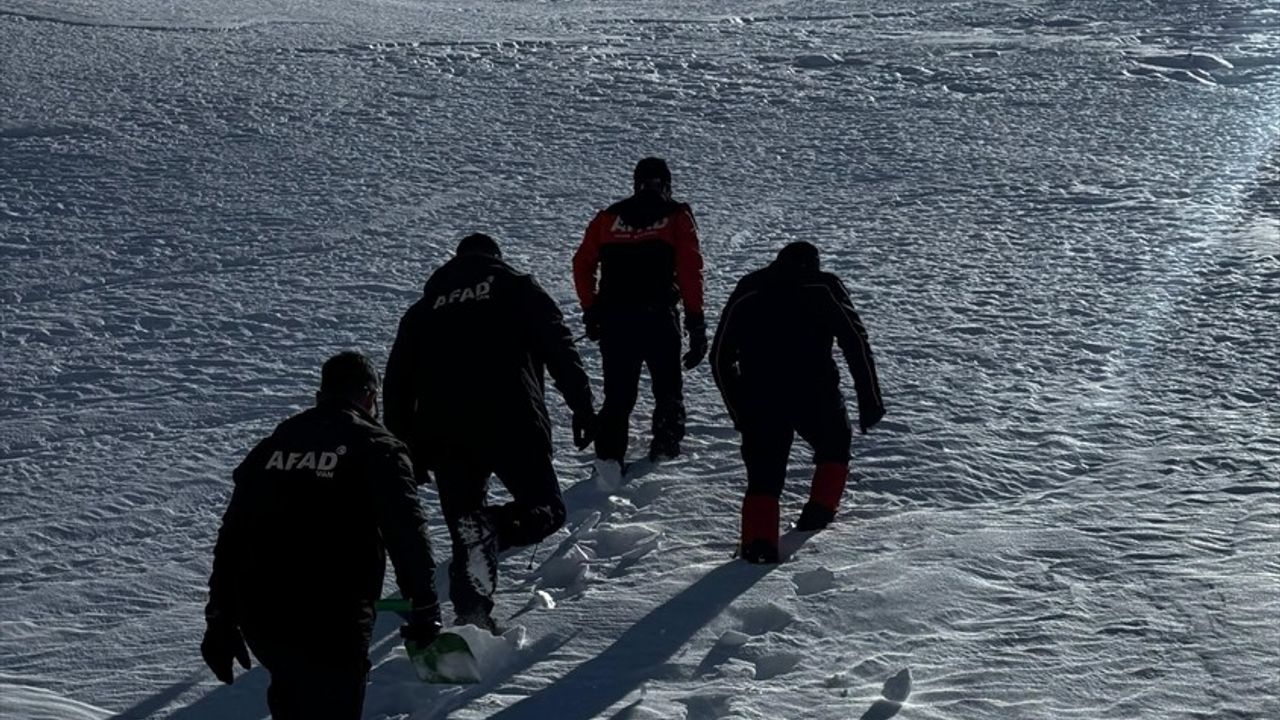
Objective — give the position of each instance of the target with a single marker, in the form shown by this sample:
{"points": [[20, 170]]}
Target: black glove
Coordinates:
{"points": [[869, 416], [696, 324], [423, 458], [423, 628], [222, 643], [584, 428], [591, 318]]}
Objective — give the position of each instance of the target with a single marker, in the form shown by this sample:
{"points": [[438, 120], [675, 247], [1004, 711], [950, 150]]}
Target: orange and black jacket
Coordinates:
{"points": [[644, 253]]}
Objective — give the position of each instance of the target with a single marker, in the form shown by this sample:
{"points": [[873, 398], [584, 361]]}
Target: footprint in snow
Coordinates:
{"points": [[772, 665], [621, 540], [757, 622], [567, 571], [895, 692], [765, 619], [707, 707], [814, 581], [734, 644], [727, 647], [648, 492], [627, 543], [587, 546]]}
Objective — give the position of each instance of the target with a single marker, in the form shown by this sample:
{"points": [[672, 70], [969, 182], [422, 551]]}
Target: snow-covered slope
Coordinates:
{"points": [[1061, 222]]}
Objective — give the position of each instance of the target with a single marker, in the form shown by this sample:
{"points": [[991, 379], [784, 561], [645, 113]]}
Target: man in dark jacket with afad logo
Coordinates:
{"points": [[465, 390], [772, 362], [639, 258], [302, 550]]}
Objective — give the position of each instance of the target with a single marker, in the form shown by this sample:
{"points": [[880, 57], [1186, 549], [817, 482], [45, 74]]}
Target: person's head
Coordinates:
{"points": [[799, 256], [652, 176], [350, 376], [479, 244]]}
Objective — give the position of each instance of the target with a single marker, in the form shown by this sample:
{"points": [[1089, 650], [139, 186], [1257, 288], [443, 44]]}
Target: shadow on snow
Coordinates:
{"points": [[591, 688]]}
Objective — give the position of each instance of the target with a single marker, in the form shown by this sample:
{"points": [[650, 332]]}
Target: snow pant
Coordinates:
{"points": [[535, 511], [768, 431], [630, 340], [315, 671]]}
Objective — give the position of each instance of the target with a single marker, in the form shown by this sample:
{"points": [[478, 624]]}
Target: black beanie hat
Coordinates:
{"points": [[479, 244], [799, 255], [652, 168]]}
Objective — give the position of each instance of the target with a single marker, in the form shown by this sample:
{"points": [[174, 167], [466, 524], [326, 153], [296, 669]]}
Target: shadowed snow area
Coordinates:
{"points": [[1060, 222]]}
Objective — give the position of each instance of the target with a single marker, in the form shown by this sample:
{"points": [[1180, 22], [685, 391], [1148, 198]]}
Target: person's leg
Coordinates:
{"points": [[536, 509], [620, 360], [286, 695], [765, 447], [314, 673], [474, 566], [271, 653], [824, 424], [335, 688], [662, 355]]}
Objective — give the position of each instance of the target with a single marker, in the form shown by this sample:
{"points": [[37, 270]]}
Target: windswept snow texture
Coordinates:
{"points": [[1060, 220]]}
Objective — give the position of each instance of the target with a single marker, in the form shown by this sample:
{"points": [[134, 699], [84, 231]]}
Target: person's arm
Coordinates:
{"points": [[399, 400], [851, 335], [233, 539], [402, 523], [586, 261], [688, 261], [724, 353], [553, 345], [222, 644]]}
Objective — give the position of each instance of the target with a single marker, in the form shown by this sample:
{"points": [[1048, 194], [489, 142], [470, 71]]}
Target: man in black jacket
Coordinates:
{"points": [[771, 358], [301, 553], [465, 390], [639, 258]]}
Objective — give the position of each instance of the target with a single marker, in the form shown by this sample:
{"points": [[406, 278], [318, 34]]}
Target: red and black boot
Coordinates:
{"points": [[824, 497], [759, 529]]}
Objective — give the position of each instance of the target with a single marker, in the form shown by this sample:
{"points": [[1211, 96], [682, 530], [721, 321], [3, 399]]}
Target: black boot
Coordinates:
{"points": [[664, 449], [814, 517], [760, 552]]}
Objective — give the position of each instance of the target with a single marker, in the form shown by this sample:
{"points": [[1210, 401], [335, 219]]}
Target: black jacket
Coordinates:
{"points": [[466, 370], [317, 507], [773, 345]]}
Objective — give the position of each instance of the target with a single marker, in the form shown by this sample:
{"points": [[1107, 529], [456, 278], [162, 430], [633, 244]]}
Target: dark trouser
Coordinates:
{"points": [[536, 510], [629, 340], [770, 428], [315, 673]]}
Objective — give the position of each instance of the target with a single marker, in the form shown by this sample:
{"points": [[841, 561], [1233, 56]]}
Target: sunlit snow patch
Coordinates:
{"points": [[30, 703], [1262, 237]]}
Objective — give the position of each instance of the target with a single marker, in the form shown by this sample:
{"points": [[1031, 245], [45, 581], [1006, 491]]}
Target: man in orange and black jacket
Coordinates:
{"points": [[638, 259]]}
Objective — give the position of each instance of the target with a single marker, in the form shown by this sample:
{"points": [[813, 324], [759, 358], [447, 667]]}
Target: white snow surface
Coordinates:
{"points": [[1060, 221]]}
